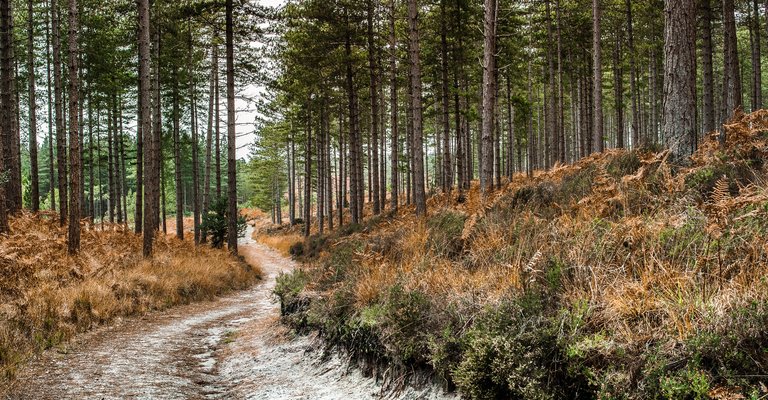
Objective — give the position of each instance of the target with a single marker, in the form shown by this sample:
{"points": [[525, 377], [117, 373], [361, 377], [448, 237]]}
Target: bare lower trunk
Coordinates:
{"points": [[680, 73], [73, 238], [419, 192]]}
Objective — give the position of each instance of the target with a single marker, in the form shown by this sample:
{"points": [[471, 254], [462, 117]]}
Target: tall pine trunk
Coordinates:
{"points": [[597, 71], [146, 125], [73, 239], [34, 176], [231, 144], [395, 140], [419, 192], [61, 138], [680, 72], [708, 95]]}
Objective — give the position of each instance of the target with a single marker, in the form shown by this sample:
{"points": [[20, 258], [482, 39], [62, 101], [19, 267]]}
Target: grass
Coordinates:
{"points": [[621, 276], [48, 296]]}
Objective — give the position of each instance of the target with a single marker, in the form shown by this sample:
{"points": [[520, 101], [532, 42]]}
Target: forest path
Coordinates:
{"points": [[230, 348]]}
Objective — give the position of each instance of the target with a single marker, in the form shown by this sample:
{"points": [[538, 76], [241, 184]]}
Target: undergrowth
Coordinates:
{"points": [[618, 277], [47, 296]]}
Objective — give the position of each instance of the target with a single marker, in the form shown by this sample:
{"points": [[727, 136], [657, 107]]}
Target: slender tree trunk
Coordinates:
{"points": [[73, 240], [757, 70], [6, 104], [618, 87], [355, 145], [146, 127], [195, 142], [217, 119], [732, 96], [111, 162], [177, 158], [209, 138], [374, 127], [680, 73], [231, 143], [118, 167], [489, 93], [708, 95], [51, 167], [308, 173], [61, 139], [419, 192], [445, 96], [320, 187], [597, 105], [34, 177], [139, 211]]}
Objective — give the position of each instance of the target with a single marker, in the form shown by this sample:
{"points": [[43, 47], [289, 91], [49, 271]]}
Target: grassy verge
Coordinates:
{"points": [[620, 277], [48, 296]]}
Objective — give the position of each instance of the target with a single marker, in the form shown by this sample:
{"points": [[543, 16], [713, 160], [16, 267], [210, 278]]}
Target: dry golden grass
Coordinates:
{"points": [[48, 296], [636, 250]]}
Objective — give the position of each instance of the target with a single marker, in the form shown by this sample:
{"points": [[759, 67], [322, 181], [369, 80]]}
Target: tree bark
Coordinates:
{"points": [[708, 95], [757, 80], [680, 72], [195, 142], [34, 176], [374, 93], [231, 141], [73, 239], [419, 192], [177, 158], [395, 140], [61, 139], [597, 70], [145, 121], [732, 96]]}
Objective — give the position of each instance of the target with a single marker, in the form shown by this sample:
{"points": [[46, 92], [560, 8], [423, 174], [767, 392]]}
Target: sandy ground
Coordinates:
{"points": [[231, 348]]}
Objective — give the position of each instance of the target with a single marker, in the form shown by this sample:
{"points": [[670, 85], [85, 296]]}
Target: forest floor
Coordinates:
{"points": [[621, 276], [232, 347]]}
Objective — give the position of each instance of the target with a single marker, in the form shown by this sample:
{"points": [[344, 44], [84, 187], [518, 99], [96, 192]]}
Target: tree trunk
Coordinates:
{"points": [[419, 192], [6, 103], [597, 95], [757, 80], [73, 240], [445, 96], [177, 158], [374, 93], [618, 87], [395, 140], [209, 137], [51, 167], [680, 73], [308, 173], [732, 96], [146, 127], [195, 142], [34, 177], [217, 119], [489, 94], [231, 141], [708, 95], [61, 139]]}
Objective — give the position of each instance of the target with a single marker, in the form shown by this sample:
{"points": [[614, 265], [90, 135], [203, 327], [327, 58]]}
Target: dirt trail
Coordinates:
{"points": [[233, 348]]}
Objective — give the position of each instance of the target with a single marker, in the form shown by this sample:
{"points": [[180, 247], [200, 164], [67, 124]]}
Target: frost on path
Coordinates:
{"points": [[231, 348]]}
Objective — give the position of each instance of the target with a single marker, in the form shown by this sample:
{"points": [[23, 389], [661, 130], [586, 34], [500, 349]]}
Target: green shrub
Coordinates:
{"points": [[445, 229], [288, 287], [216, 220]]}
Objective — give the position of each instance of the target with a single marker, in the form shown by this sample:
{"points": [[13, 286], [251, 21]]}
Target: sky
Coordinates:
{"points": [[246, 112]]}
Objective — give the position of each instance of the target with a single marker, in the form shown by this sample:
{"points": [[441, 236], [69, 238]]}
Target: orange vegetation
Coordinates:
{"points": [[624, 252], [48, 296]]}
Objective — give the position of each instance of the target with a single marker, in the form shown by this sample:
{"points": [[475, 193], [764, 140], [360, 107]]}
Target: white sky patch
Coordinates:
{"points": [[247, 111]]}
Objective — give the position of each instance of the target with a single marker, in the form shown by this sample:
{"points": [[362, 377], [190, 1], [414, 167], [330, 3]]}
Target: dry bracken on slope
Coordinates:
{"points": [[48, 296], [621, 276]]}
